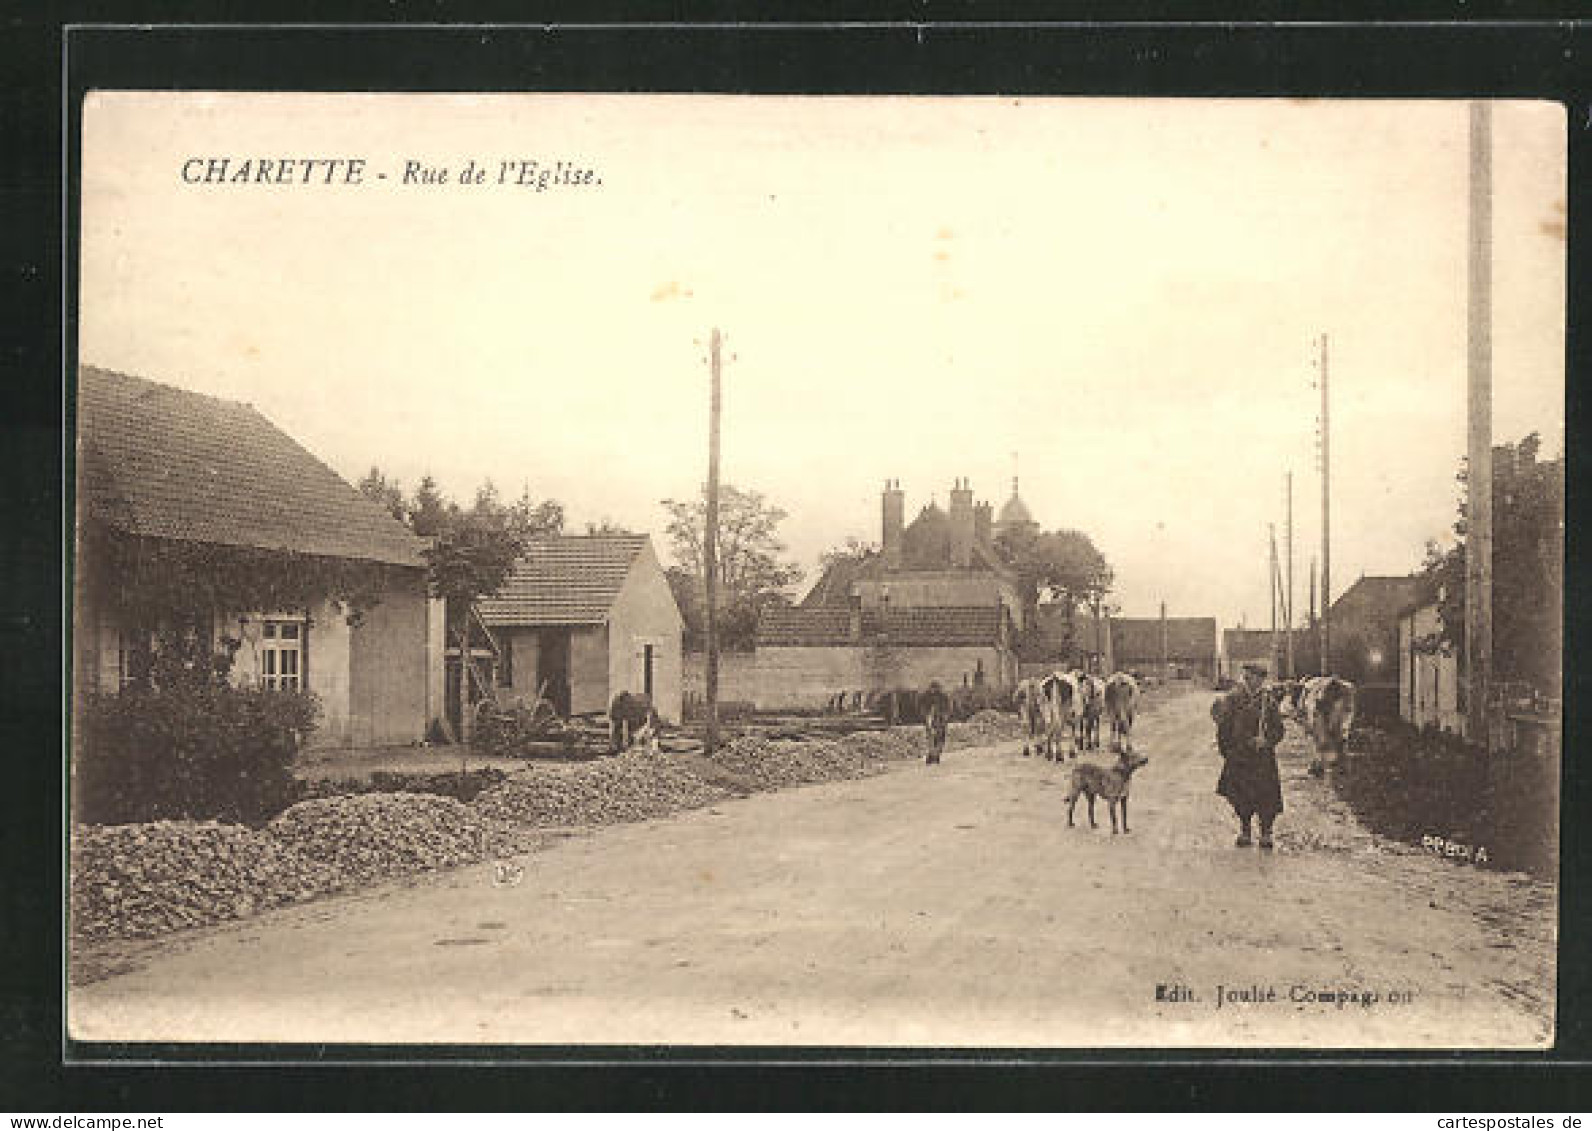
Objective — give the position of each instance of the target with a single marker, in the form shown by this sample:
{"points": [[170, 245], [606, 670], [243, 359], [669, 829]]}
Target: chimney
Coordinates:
{"points": [[983, 523], [894, 520], [961, 525]]}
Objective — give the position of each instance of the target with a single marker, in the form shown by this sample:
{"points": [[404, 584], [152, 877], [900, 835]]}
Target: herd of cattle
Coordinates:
{"points": [[1068, 705], [1065, 708]]}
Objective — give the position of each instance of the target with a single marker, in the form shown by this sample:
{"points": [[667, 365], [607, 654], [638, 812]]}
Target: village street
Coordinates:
{"points": [[929, 906]]}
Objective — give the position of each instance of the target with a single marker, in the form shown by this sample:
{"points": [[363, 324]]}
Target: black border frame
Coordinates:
{"points": [[1135, 53]]}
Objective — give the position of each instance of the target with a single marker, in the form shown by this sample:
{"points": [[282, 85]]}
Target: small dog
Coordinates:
{"points": [[1109, 782]]}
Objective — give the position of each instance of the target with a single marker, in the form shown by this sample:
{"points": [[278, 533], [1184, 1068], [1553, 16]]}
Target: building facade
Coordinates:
{"points": [[582, 618], [934, 603], [1429, 693], [161, 467]]}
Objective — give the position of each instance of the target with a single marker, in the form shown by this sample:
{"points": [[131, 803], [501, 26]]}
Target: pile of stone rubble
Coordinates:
{"points": [[136, 881]]}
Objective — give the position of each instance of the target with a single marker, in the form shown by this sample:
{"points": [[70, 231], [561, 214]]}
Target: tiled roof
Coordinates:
{"points": [[163, 462], [1139, 638], [571, 579], [833, 587], [950, 626], [1375, 601], [1247, 643]]}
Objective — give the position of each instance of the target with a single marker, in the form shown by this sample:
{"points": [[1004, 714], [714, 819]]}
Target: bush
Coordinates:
{"points": [[200, 749], [1409, 784]]}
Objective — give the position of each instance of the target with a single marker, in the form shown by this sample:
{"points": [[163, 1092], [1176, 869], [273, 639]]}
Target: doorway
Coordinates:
{"points": [[552, 667]]}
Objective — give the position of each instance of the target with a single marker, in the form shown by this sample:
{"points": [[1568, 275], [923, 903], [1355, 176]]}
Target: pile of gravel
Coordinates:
{"points": [[631, 786], [137, 881], [368, 837], [983, 729]]}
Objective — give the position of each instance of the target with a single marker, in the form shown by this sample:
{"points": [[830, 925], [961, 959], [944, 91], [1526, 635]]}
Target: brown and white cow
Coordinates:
{"points": [[1063, 699], [1326, 707], [1122, 701], [1092, 696]]}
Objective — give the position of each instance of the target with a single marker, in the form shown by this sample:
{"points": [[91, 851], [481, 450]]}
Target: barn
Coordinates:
{"points": [[583, 617]]}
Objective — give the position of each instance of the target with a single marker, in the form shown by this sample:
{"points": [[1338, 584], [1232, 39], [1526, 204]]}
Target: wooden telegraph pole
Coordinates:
{"points": [[1478, 475], [1276, 599], [1287, 607], [1326, 518], [710, 553]]}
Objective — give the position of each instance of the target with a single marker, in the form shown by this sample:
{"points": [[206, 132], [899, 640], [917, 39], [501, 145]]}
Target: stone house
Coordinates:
{"points": [[935, 602], [161, 466]]}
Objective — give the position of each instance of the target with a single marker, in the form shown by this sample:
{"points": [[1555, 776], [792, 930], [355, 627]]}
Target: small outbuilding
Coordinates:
{"points": [[584, 617]]}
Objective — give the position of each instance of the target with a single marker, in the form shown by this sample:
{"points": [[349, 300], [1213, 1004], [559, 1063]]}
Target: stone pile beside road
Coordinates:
{"points": [[138, 881], [631, 786], [141, 881]]}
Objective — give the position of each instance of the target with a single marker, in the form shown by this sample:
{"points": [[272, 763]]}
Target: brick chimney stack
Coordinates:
{"points": [[984, 523], [961, 525], [894, 507]]}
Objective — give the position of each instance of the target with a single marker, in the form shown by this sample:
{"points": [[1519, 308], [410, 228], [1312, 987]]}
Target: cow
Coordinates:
{"points": [[1062, 698], [632, 718], [1092, 694], [1122, 700], [936, 707], [1030, 699], [1327, 709]]}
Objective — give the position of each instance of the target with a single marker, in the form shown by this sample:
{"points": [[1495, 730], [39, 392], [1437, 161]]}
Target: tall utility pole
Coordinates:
{"points": [[1478, 474], [1287, 608], [1326, 518], [1312, 619], [1276, 599], [1164, 661], [710, 553]]}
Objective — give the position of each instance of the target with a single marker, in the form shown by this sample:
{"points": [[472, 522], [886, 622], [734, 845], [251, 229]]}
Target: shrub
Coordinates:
{"points": [[196, 749]]}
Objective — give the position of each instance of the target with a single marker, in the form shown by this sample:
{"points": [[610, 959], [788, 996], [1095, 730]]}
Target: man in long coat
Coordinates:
{"points": [[1248, 728]]}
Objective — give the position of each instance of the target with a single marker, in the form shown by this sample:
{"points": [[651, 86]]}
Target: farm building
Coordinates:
{"points": [[1364, 629], [584, 617], [164, 470], [934, 603], [1171, 647], [1242, 646]]}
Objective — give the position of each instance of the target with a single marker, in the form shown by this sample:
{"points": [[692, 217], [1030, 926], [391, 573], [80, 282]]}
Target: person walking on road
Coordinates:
{"points": [[1248, 728]]}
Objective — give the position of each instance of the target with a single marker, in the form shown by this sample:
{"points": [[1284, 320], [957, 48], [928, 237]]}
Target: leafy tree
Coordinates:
{"points": [[853, 549], [607, 526], [752, 573], [1528, 566], [1063, 565], [388, 492]]}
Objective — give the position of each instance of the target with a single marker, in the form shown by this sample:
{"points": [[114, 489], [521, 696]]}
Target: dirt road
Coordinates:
{"points": [[932, 906]]}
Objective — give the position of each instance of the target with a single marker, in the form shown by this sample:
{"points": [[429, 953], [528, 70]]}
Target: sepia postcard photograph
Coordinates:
{"points": [[903, 572]]}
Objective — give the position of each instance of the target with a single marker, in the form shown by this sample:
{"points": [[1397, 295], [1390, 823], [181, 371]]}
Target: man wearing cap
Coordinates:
{"points": [[1248, 728]]}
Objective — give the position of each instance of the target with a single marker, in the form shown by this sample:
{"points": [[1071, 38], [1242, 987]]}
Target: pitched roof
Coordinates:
{"points": [[569, 579], [833, 587], [1377, 600], [1139, 638], [163, 462], [814, 627]]}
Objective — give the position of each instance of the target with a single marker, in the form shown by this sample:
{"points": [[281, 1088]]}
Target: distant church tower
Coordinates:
{"points": [[1015, 516]]}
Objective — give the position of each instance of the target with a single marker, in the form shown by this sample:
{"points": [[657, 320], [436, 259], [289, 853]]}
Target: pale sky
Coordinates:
{"points": [[1127, 293]]}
